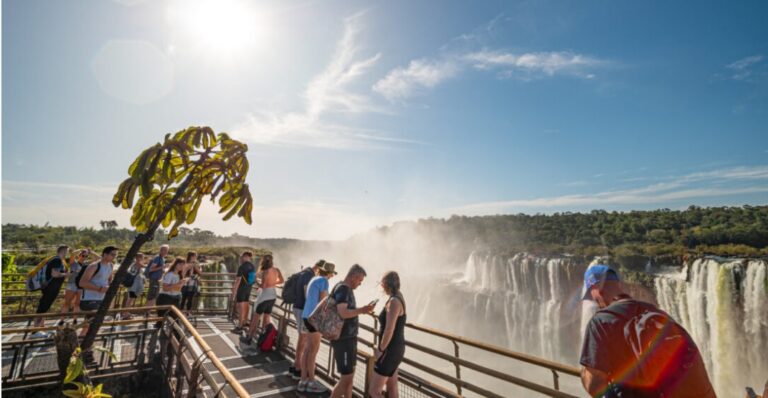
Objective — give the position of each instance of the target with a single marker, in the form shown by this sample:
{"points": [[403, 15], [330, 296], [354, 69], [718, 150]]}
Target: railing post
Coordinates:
{"points": [[555, 378], [370, 362], [458, 367]]}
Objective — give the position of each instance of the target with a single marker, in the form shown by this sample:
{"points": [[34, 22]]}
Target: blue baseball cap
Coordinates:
{"points": [[597, 274]]}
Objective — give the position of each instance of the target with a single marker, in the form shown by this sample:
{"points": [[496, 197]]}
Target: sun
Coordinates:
{"points": [[218, 27]]}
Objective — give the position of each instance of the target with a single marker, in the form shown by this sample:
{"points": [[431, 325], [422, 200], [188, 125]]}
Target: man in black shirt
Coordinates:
{"points": [[55, 272], [345, 348], [241, 290]]}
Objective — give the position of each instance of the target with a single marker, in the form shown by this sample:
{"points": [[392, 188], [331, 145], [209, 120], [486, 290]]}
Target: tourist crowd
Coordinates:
{"points": [[630, 348]]}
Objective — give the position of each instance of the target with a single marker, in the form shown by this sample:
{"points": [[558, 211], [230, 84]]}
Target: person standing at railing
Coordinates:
{"points": [[305, 276], [317, 290], [345, 348], [192, 287], [72, 293], [633, 349], [154, 272], [137, 287], [391, 348], [94, 283], [55, 272], [270, 277], [170, 292], [241, 289]]}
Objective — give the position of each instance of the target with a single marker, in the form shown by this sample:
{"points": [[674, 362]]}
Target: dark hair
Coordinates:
{"points": [[190, 255], [176, 262], [391, 282], [107, 250], [60, 248], [356, 270], [247, 253], [266, 262]]}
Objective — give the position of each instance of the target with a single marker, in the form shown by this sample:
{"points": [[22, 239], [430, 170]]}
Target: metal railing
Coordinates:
{"points": [[138, 346], [426, 376]]}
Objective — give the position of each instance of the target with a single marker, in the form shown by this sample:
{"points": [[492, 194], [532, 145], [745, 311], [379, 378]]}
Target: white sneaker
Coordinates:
{"points": [[302, 386], [314, 387], [40, 335]]}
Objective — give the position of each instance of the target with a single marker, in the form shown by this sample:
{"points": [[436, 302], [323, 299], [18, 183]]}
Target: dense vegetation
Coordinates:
{"points": [[726, 231], [729, 231]]}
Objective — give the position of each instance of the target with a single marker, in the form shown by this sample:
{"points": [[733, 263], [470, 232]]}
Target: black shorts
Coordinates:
{"points": [[265, 307], [89, 305], [345, 355], [308, 326], [132, 295], [390, 360], [243, 293]]}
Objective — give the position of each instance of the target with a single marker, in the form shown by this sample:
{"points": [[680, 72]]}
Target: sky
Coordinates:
{"points": [[359, 114]]}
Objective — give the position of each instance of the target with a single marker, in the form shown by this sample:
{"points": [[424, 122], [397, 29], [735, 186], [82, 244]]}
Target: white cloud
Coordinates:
{"points": [[328, 95], [717, 183], [423, 73], [548, 63], [420, 73], [744, 69]]}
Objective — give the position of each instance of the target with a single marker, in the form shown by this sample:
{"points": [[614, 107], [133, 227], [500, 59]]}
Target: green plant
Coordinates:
{"points": [[76, 370], [172, 179]]}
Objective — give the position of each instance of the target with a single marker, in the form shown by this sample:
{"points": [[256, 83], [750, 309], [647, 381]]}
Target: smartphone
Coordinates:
{"points": [[373, 303]]}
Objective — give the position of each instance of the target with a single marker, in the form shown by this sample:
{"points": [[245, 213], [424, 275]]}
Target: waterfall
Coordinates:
{"points": [[724, 306], [529, 294]]}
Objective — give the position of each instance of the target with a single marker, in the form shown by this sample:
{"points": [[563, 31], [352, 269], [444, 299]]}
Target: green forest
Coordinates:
{"points": [[726, 231]]}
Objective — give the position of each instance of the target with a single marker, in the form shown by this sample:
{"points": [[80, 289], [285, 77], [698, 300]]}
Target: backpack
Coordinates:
{"points": [[326, 319], [82, 272], [290, 289], [130, 277], [36, 279], [268, 339], [662, 349]]}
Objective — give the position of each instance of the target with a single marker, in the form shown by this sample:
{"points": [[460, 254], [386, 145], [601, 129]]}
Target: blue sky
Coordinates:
{"points": [[358, 114]]}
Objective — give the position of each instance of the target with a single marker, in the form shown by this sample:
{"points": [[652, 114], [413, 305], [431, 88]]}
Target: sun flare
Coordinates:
{"points": [[221, 27]]}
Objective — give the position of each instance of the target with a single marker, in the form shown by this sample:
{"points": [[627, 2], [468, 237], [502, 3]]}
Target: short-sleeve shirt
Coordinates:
{"points": [[606, 349], [170, 278], [54, 264], [316, 286], [342, 293], [138, 282], [305, 276], [156, 275], [247, 274]]}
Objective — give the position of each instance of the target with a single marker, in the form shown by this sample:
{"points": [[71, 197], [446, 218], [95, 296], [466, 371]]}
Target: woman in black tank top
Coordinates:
{"points": [[391, 347]]}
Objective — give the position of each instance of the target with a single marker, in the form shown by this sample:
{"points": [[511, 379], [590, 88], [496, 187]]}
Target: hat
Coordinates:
{"points": [[328, 268], [597, 274]]}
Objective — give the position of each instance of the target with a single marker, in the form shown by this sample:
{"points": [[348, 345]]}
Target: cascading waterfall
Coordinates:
{"points": [[530, 295], [724, 306]]}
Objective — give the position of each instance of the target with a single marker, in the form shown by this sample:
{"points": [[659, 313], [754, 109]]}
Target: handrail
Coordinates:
{"points": [[571, 370], [208, 351]]}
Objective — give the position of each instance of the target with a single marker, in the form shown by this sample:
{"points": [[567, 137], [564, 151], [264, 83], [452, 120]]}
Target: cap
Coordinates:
{"points": [[597, 274]]}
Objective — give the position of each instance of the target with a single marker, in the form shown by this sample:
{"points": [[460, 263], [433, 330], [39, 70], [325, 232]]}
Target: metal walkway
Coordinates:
{"points": [[200, 357]]}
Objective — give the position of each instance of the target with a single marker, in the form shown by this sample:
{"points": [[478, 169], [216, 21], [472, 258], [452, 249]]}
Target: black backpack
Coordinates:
{"points": [[82, 272], [130, 277], [290, 288], [661, 348]]}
